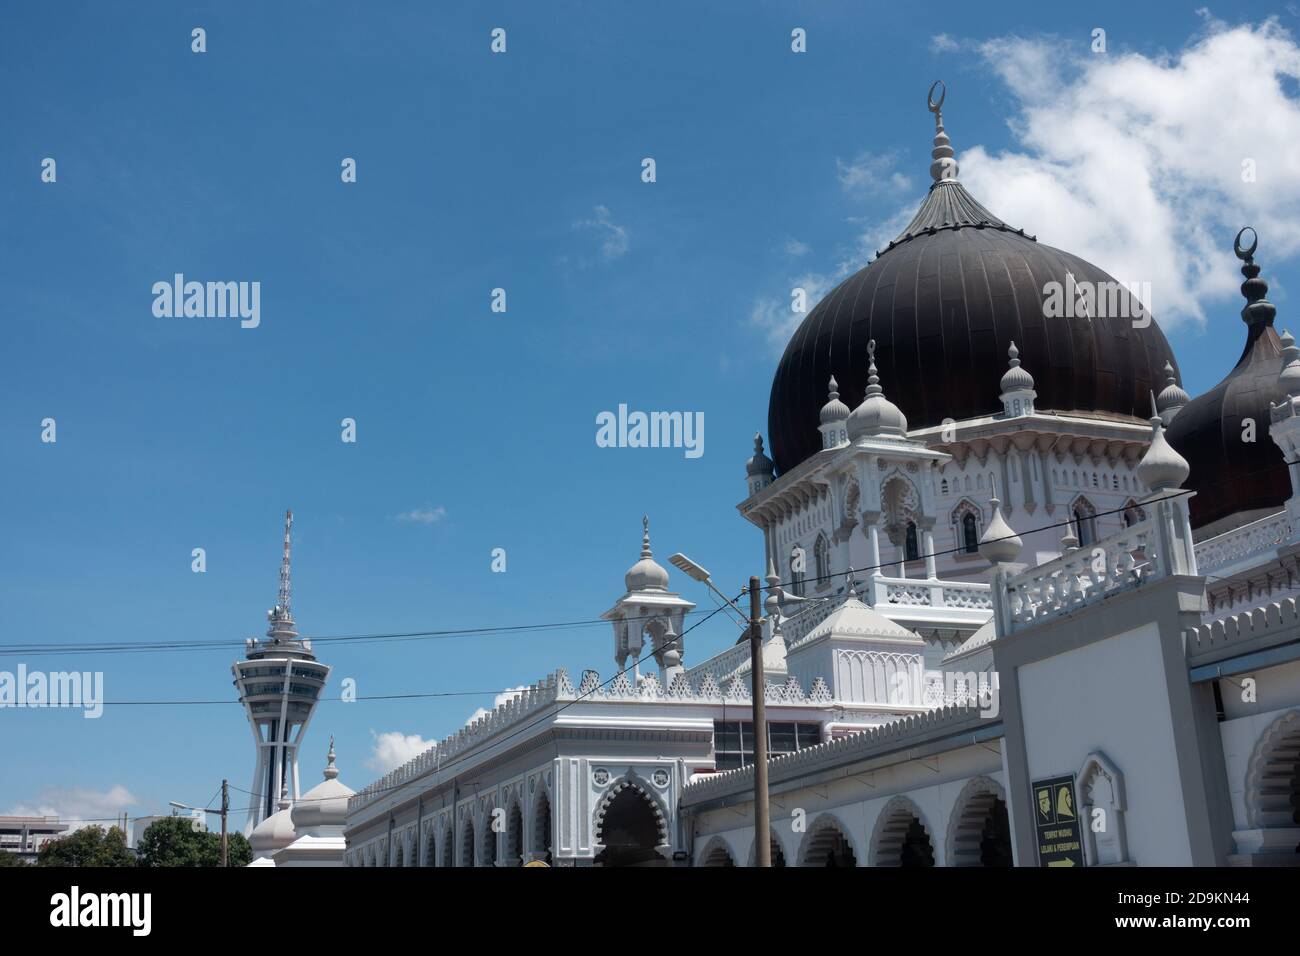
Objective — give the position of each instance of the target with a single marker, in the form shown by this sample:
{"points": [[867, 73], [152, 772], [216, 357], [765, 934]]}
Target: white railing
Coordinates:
{"points": [[1086, 575], [1232, 546]]}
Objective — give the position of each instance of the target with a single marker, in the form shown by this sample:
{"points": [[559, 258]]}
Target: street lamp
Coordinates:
{"points": [[698, 573]]}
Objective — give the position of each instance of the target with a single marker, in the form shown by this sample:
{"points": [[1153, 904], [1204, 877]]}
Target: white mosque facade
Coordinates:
{"points": [[1037, 611]]}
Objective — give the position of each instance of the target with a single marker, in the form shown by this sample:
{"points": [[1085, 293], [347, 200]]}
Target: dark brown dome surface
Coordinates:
{"points": [[943, 302]]}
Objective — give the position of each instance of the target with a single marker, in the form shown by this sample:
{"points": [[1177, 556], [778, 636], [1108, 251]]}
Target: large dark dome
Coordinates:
{"points": [[943, 302], [1233, 475]]}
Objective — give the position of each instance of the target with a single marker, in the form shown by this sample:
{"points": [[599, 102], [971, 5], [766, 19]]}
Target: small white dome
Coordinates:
{"points": [[1015, 378], [1173, 395], [646, 575], [1161, 468], [759, 463], [276, 831], [1289, 377], [325, 804], [834, 410], [876, 415]]}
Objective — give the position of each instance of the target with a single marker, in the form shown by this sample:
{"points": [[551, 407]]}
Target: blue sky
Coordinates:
{"points": [[478, 171]]}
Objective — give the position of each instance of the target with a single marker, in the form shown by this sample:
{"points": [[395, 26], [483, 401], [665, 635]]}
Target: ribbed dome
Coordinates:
{"points": [[1015, 378], [759, 463], [325, 804], [876, 415], [1230, 475], [1173, 395], [834, 410], [942, 302]]}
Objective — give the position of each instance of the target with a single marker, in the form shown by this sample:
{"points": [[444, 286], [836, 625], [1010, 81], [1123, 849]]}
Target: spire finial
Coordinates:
{"points": [[834, 389], [645, 536], [853, 588], [284, 564], [1258, 310], [282, 627], [944, 166], [331, 771], [1169, 374], [873, 379], [1013, 354]]}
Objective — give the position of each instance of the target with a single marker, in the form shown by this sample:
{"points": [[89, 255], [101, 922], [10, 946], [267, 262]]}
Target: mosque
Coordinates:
{"points": [[1028, 603]]}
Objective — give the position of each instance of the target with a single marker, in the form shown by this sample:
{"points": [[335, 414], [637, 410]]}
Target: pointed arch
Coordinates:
{"points": [[827, 843], [541, 836], [979, 833], [822, 559], [488, 851], [1083, 515], [467, 846], [1273, 775], [1133, 513], [967, 520], [901, 837], [447, 857], [717, 853], [430, 845], [775, 850], [1100, 789], [514, 835], [631, 825]]}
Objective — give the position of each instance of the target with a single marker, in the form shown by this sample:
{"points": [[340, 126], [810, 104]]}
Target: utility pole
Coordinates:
{"points": [[225, 807], [762, 827]]}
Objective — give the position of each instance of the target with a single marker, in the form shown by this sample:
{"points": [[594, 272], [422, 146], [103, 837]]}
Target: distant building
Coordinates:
{"points": [[198, 820], [26, 835], [279, 683]]}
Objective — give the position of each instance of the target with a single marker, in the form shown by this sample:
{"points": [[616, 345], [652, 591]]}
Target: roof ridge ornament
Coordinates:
{"points": [[873, 377]]}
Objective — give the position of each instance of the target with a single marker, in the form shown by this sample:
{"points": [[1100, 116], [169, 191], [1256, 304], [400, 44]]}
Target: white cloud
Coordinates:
{"points": [[78, 806], [392, 748], [795, 248], [943, 43], [614, 239], [1135, 163], [425, 515], [871, 174], [502, 698]]}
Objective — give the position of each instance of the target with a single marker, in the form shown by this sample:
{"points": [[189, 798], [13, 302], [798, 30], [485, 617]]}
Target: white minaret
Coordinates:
{"points": [[279, 683]]}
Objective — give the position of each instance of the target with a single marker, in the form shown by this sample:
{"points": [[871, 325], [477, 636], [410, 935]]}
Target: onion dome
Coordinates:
{"points": [[1161, 468], [940, 300], [1233, 474], [876, 415], [1172, 398], [1015, 378], [1289, 378], [759, 465], [999, 544], [276, 831], [325, 804], [645, 575], [834, 411]]}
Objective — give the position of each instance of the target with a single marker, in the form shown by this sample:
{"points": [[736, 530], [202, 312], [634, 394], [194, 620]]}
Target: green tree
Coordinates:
{"points": [[89, 846], [174, 842], [11, 859]]}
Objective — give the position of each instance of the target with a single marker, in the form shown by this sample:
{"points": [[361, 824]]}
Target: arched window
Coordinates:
{"points": [[822, 558], [1084, 516], [912, 547], [798, 568], [970, 535], [1133, 513], [943, 486], [967, 525]]}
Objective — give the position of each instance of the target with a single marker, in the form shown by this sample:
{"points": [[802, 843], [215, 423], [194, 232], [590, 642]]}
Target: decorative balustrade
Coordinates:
{"points": [[1088, 574], [1232, 546]]}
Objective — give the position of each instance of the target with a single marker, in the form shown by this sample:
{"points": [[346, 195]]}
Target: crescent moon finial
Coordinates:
{"points": [[936, 106], [1246, 254]]}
